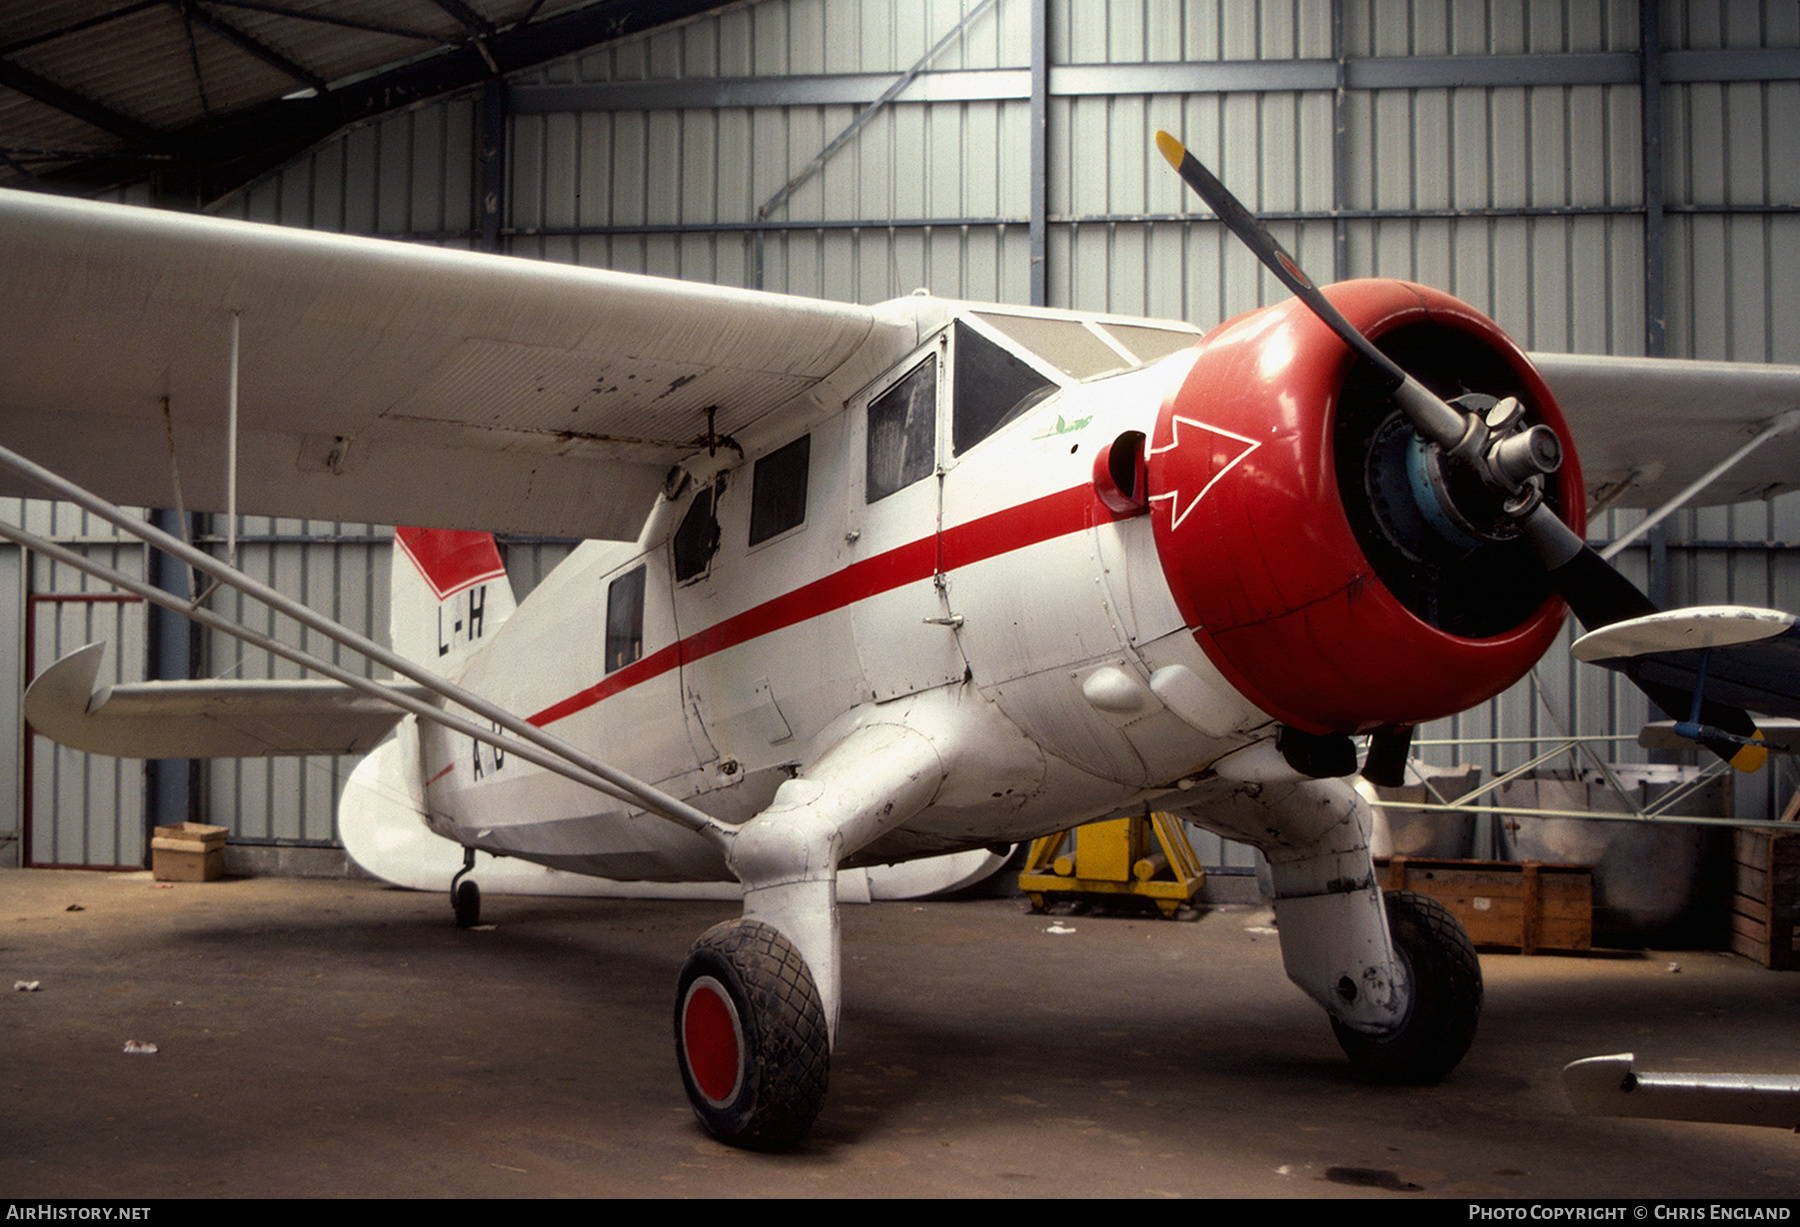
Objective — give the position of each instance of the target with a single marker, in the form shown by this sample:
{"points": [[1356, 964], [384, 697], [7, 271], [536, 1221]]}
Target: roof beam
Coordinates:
{"points": [[218, 156], [466, 17], [249, 45], [85, 109], [328, 19]]}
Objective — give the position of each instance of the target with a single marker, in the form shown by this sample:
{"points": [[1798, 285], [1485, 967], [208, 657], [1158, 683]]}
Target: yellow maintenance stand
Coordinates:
{"points": [[1146, 856]]}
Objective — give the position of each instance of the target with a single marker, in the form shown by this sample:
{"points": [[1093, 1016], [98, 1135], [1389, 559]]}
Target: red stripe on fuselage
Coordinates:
{"points": [[1002, 532]]}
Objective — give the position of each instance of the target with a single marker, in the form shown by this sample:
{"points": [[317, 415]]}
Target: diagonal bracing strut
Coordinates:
{"points": [[540, 747]]}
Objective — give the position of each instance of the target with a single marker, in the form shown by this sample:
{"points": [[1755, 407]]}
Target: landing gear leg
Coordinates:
{"points": [[1398, 976], [757, 1006], [465, 897], [754, 1014]]}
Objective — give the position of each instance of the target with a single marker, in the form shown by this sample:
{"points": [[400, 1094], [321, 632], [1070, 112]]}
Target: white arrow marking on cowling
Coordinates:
{"points": [[1179, 512]]}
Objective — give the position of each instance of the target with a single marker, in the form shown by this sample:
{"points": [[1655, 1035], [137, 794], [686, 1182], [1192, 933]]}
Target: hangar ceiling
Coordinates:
{"points": [[199, 97]]}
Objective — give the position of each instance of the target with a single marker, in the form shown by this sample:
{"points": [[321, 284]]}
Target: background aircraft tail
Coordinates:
{"points": [[449, 595]]}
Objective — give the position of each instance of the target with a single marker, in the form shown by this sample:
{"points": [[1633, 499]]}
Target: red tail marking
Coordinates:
{"points": [[451, 560]]}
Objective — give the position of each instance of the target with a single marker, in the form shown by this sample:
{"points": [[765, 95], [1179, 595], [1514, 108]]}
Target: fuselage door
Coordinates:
{"points": [[905, 627]]}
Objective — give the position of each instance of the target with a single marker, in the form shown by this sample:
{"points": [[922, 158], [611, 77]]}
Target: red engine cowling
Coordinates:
{"points": [[1297, 541]]}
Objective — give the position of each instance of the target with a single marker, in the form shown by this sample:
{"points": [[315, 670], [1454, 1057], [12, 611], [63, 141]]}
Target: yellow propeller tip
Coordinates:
{"points": [[1750, 758], [1172, 149]]}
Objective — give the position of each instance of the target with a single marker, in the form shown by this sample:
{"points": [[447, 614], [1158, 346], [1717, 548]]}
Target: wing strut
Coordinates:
{"points": [[544, 749], [231, 442], [1774, 428]]}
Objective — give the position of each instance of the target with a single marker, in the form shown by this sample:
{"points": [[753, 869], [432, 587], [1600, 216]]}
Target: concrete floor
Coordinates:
{"points": [[343, 1039]]}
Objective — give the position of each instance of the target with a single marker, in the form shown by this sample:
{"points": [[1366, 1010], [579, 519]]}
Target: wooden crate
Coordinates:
{"points": [[1765, 903], [1522, 906]]}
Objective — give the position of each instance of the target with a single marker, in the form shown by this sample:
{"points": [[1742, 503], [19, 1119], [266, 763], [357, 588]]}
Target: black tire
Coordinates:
{"points": [[1446, 997], [465, 901], [750, 1036]]}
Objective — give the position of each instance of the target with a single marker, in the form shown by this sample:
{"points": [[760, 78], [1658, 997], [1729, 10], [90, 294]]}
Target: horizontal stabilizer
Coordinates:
{"points": [[1752, 655], [210, 719]]}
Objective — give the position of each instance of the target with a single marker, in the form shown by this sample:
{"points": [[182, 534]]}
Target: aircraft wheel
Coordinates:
{"points": [[750, 1036], [1446, 997], [465, 901]]}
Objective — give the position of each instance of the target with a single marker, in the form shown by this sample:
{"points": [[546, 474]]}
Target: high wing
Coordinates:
{"points": [[1648, 427], [394, 383], [379, 381]]}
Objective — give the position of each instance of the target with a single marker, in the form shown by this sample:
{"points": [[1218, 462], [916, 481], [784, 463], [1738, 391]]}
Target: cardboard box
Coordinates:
{"points": [[187, 852]]}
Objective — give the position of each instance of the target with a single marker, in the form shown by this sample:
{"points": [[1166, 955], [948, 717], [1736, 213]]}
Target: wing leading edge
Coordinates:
{"points": [[385, 382]]}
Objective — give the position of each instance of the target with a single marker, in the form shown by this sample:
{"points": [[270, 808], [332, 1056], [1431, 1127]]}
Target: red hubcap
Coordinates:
{"points": [[713, 1040]]}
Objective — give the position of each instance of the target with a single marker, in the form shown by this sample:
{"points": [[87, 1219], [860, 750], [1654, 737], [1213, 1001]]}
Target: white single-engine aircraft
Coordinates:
{"points": [[864, 584]]}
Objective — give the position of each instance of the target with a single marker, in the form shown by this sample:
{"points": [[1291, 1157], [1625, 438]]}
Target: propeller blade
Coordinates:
{"points": [[1429, 414], [1596, 593], [1386, 761]]}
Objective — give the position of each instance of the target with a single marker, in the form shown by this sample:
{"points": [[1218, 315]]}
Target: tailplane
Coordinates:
{"points": [[450, 594]]}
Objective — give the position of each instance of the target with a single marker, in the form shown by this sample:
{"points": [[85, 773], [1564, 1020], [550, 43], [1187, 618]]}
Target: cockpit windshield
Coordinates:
{"points": [[993, 385], [1087, 350]]}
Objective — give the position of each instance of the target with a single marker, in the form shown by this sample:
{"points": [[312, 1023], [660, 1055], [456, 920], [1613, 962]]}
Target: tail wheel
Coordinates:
{"points": [[1446, 997], [751, 1037], [465, 901]]}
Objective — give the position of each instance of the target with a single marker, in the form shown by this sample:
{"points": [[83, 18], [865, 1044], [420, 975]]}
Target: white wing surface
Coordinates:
{"points": [[1657, 424], [380, 381]]}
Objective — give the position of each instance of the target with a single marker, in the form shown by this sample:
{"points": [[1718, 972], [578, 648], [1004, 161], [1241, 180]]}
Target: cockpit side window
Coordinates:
{"points": [[625, 619], [992, 387], [902, 433], [697, 538], [778, 490]]}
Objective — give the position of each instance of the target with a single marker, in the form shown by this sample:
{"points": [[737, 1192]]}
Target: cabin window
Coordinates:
{"points": [[697, 538], [902, 432], [992, 387], [778, 490], [625, 619]]}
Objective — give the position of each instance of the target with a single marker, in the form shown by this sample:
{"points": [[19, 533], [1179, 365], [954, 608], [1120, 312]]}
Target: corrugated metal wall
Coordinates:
{"points": [[1496, 148], [74, 809], [340, 570]]}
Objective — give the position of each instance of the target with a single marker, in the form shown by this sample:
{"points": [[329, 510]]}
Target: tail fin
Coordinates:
{"points": [[449, 595]]}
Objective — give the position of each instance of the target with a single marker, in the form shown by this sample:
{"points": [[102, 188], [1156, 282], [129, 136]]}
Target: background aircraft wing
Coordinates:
{"points": [[1751, 656], [1669, 420], [379, 381]]}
